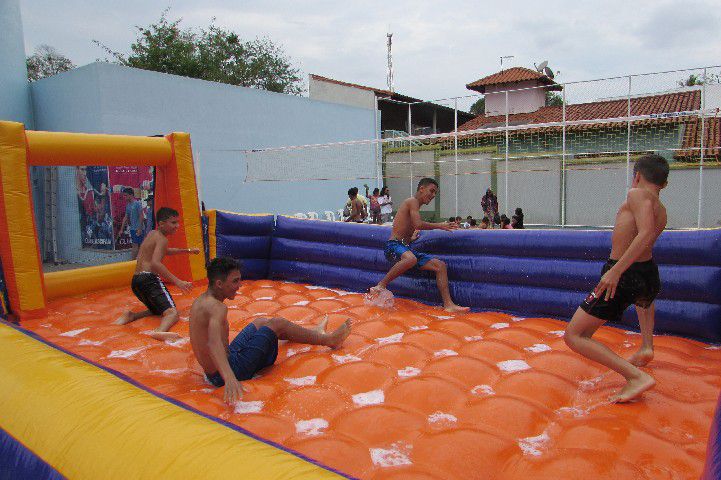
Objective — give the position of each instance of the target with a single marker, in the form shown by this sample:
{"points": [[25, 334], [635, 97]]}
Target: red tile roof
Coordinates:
{"points": [[669, 103], [656, 104], [512, 75], [378, 91]]}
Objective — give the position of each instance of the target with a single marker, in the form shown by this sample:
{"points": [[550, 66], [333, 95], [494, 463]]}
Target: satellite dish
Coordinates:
{"points": [[540, 68], [548, 72]]}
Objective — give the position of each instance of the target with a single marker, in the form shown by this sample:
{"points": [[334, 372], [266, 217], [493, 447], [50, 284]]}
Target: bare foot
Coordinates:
{"points": [[321, 326], [453, 308], [335, 339], [642, 357], [634, 388], [165, 336], [125, 318]]}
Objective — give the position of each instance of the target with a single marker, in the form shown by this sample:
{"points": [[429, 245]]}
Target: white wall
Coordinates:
{"points": [[342, 94], [523, 101]]}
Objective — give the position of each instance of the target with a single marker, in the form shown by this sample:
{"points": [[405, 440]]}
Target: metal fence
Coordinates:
{"points": [[564, 155]]}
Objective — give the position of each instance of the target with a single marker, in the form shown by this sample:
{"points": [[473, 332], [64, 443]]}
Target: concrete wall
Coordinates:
{"points": [[222, 120], [342, 94]]}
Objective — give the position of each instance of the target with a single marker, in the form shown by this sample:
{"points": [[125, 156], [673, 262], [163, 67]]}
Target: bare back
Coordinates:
{"points": [[403, 224], [147, 248], [626, 227], [203, 309]]}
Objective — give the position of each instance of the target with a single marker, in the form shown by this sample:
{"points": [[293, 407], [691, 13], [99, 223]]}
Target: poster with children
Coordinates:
{"points": [[96, 228], [131, 204]]}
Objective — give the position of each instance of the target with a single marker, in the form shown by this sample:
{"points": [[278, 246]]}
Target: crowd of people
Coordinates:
{"points": [[377, 208]]}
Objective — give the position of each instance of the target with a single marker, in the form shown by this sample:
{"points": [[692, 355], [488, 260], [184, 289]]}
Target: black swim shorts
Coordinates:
{"points": [[638, 285], [150, 290]]}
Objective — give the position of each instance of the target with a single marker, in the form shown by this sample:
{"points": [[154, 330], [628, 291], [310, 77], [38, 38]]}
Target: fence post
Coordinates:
{"points": [[410, 147], [628, 135], [505, 199], [376, 129], [701, 144], [455, 145], [563, 159]]}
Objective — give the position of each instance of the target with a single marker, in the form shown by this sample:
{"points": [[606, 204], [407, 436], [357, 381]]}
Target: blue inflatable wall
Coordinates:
{"points": [[244, 237], [524, 272]]}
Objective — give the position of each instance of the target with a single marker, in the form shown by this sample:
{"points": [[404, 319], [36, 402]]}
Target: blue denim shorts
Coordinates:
{"points": [[394, 249], [251, 350]]}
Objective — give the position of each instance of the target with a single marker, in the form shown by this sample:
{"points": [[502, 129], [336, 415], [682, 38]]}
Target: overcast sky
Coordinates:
{"points": [[438, 46]]}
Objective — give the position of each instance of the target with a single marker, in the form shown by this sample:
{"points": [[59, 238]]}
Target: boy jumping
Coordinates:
{"points": [[630, 276], [398, 250], [147, 285], [256, 346]]}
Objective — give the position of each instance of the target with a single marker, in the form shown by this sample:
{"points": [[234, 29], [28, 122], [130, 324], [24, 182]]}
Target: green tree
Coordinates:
{"points": [[46, 61], [694, 79], [553, 99], [212, 53], [479, 106]]}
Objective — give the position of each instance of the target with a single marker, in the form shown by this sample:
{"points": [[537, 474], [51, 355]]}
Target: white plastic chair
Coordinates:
{"points": [[340, 214], [330, 216], [300, 215], [313, 215]]}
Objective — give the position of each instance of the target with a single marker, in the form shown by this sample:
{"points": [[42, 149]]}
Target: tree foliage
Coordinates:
{"points": [[696, 79], [553, 99], [479, 106], [46, 61], [211, 53]]}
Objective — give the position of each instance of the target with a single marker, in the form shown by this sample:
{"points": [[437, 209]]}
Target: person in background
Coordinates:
{"points": [[451, 219], [134, 219], [375, 207], [519, 218], [489, 205], [386, 203], [473, 223], [484, 223], [506, 222], [357, 213]]}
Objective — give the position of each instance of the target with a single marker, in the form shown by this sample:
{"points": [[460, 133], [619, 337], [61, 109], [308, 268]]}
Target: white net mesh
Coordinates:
{"points": [[566, 161]]}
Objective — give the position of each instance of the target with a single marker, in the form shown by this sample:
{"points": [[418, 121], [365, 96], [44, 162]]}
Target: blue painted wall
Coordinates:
{"points": [[14, 92], [221, 119]]}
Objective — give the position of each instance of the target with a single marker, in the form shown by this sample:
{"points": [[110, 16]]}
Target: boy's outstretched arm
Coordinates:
{"points": [[177, 251], [419, 224], [156, 264], [641, 205]]}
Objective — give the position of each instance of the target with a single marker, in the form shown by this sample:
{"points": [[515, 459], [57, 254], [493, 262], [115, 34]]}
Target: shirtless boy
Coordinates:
{"points": [[147, 285], [255, 347], [398, 250], [629, 277]]}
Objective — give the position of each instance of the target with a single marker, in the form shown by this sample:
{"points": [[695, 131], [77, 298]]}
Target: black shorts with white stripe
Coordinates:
{"points": [[150, 290]]}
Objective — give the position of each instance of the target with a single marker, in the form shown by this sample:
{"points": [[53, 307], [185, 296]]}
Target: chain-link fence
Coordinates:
{"points": [[563, 153]]}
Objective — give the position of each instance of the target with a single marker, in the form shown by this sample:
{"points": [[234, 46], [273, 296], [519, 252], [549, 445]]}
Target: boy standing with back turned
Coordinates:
{"points": [[397, 250], [630, 276]]}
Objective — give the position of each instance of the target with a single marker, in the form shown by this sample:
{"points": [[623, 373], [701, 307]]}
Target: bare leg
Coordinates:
{"points": [[130, 316], [167, 320], [407, 261], [287, 330], [439, 267], [645, 319], [134, 248], [578, 338]]}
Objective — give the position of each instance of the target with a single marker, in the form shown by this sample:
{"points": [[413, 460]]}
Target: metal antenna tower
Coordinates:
{"points": [[389, 78]]}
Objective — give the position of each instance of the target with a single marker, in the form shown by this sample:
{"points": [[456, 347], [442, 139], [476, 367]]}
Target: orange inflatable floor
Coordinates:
{"points": [[416, 393]]}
